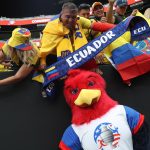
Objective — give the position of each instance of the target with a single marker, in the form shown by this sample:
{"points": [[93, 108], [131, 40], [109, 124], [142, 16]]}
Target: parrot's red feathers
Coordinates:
{"points": [[80, 79]]}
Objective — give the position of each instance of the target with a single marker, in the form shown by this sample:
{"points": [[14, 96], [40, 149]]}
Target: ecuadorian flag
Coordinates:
{"points": [[51, 73], [128, 59]]}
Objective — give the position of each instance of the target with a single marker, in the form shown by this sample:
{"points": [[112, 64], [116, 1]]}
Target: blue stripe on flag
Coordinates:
{"points": [[125, 53]]}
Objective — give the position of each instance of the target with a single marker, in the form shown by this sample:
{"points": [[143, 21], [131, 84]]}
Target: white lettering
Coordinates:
{"points": [[40, 20], [90, 49], [76, 58], [97, 44], [139, 30], [70, 61], [83, 54], [104, 39], [110, 34]]}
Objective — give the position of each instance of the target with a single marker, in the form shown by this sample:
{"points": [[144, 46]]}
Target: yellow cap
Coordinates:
{"points": [[20, 39]]}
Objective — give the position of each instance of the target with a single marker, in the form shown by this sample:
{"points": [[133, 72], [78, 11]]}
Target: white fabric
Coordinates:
{"points": [[110, 132]]}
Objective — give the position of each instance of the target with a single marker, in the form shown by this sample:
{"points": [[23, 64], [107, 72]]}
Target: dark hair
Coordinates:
{"points": [[83, 6], [71, 6]]}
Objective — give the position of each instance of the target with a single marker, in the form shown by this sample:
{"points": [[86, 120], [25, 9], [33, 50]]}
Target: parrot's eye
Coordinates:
{"points": [[91, 83], [74, 91]]}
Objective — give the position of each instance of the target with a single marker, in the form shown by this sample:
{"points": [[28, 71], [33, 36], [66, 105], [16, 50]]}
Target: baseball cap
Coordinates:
{"points": [[121, 3], [20, 38], [96, 4]]}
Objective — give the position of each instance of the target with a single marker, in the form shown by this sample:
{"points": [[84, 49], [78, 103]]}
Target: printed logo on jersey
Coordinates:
{"points": [[106, 136]]}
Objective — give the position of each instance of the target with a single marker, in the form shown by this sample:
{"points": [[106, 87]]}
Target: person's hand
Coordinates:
{"points": [[7, 65], [111, 1], [63, 78], [65, 53], [100, 58], [103, 19], [42, 67], [134, 12]]}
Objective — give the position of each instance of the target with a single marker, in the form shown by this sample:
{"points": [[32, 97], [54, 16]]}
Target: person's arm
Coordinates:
{"points": [[134, 12], [102, 27], [23, 72], [109, 15], [42, 63], [96, 26], [103, 19]]}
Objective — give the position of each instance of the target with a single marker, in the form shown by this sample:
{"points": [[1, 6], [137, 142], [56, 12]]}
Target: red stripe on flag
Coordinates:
{"points": [[27, 48], [52, 75], [134, 67]]}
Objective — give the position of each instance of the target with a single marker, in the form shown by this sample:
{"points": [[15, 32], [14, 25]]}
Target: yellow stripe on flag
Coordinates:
{"points": [[39, 78], [49, 69]]}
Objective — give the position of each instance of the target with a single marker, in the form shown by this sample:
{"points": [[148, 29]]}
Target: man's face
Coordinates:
{"points": [[121, 10], [69, 18], [84, 13], [98, 11]]}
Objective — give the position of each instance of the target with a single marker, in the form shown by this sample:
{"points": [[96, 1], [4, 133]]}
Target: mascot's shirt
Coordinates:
{"points": [[112, 131], [55, 39]]}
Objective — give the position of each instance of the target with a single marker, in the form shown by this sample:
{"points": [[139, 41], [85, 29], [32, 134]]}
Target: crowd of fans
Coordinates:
{"points": [[60, 37]]}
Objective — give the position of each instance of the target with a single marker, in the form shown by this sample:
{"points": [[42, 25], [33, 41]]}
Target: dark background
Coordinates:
{"points": [[28, 8], [30, 122]]}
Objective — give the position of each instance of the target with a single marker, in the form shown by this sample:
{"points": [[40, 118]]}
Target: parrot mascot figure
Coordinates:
{"points": [[98, 121]]}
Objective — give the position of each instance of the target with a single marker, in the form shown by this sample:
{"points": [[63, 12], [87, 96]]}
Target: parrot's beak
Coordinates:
{"points": [[87, 97]]}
